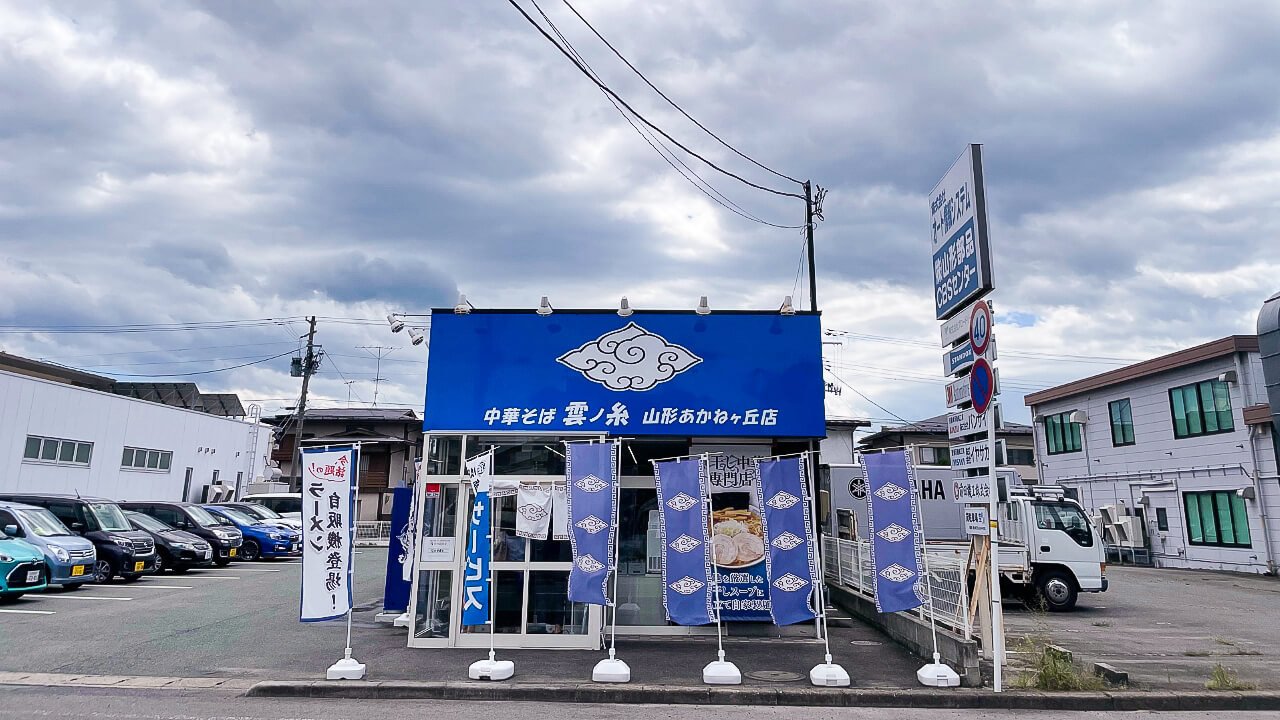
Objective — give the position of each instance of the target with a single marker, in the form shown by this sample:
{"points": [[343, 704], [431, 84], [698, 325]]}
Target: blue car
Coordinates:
{"points": [[21, 565], [68, 557], [260, 540]]}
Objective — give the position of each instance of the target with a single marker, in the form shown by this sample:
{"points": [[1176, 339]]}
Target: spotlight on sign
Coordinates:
{"points": [[703, 308], [787, 308], [544, 307], [396, 323], [624, 310], [416, 337], [491, 669], [463, 307]]}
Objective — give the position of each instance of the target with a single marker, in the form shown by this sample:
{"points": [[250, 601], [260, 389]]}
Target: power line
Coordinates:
{"points": [[159, 350], [659, 147], [1028, 354], [206, 372], [673, 103], [864, 397], [638, 116]]}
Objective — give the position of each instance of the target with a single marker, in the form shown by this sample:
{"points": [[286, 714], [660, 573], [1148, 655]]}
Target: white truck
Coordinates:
{"points": [[1049, 551]]}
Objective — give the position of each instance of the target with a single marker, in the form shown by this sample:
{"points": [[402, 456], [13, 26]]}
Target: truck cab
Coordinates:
{"points": [[1064, 553]]}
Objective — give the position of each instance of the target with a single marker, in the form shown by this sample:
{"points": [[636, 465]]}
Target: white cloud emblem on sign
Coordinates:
{"points": [[896, 573], [890, 492], [586, 563], [894, 533], [782, 500], [681, 502], [631, 358], [790, 583], [592, 524], [532, 512], [684, 544], [786, 541], [687, 585], [591, 483]]}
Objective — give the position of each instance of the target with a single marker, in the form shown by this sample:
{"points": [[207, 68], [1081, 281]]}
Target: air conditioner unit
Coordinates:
{"points": [[1132, 528], [1121, 534], [1110, 513]]}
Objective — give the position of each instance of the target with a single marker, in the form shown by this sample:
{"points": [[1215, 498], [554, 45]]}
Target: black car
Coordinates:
{"points": [[224, 539], [121, 550], [175, 550]]}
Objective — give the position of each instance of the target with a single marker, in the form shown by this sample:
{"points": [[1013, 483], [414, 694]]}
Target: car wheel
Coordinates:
{"points": [[130, 578], [1056, 591], [251, 550], [102, 572], [159, 563]]}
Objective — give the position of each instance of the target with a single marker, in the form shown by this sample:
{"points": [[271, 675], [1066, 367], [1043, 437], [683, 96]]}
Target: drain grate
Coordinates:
{"points": [[774, 675]]}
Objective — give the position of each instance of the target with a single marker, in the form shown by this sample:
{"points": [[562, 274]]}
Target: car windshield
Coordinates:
{"points": [[238, 517], [1067, 517], [146, 522], [203, 517], [261, 511], [109, 516], [43, 523]]}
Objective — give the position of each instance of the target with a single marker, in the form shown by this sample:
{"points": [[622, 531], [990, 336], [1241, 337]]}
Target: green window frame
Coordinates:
{"points": [[1061, 435], [1217, 518], [1121, 413], [1201, 408]]}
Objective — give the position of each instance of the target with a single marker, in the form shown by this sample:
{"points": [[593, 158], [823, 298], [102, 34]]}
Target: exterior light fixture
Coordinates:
{"points": [[624, 310], [787, 308], [396, 323], [464, 306], [703, 308], [416, 336], [544, 307]]}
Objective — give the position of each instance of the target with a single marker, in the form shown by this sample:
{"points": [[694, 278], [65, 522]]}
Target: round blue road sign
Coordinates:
{"points": [[982, 385]]}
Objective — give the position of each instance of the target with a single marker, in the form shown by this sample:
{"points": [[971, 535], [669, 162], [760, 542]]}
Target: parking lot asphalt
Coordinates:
{"points": [[1169, 628], [241, 621]]}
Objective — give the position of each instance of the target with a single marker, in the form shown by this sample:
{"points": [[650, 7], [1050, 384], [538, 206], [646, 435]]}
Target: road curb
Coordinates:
{"points": [[814, 697]]}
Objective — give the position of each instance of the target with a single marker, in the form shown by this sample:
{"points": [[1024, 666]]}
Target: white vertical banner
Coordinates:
{"points": [[328, 515]]}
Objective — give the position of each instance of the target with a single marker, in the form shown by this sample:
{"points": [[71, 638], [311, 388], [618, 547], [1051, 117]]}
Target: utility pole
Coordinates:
{"points": [[308, 367], [812, 212], [378, 351], [348, 383]]}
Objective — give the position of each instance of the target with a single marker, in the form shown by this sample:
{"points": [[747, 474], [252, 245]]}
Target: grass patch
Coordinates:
{"points": [[1225, 679], [1197, 653], [1245, 651], [1223, 641], [1048, 670]]}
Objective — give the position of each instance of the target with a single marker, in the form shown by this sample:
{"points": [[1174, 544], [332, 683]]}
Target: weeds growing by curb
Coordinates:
{"points": [[1052, 671], [1225, 679]]}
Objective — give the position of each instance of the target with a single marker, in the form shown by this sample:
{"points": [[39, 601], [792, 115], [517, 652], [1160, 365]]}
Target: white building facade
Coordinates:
{"points": [[1181, 449], [59, 438]]}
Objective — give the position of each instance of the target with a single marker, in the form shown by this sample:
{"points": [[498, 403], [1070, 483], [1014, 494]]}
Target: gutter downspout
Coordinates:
{"points": [[1253, 476]]}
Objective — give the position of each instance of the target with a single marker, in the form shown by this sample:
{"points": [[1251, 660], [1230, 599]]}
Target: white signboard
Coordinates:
{"points": [[328, 491], [955, 329], [974, 455], [436, 549], [961, 261], [966, 422], [958, 392], [972, 490], [975, 521]]}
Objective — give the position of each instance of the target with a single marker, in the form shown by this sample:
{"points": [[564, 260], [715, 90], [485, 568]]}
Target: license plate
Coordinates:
{"points": [[78, 570], [137, 567], [293, 547], [33, 576], [232, 552], [208, 554]]}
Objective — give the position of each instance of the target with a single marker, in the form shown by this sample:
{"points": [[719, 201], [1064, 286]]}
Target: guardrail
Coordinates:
{"points": [[848, 563], [373, 532]]}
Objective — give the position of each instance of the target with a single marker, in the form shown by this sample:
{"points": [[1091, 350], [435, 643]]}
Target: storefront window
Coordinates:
{"points": [[550, 551], [508, 604], [433, 603], [639, 558], [521, 454], [550, 612], [444, 455], [637, 456]]}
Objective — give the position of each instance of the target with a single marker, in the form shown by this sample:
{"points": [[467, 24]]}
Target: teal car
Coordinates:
{"points": [[22, 567]]}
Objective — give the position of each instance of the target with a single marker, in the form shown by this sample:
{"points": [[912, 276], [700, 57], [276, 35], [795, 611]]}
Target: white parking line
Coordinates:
{"points": [[211, 577], [28, 612], [83, 597], [254, 570], [161, 587]]}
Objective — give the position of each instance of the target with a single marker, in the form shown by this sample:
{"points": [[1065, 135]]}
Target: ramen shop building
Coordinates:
{"points": [[736, 385]]}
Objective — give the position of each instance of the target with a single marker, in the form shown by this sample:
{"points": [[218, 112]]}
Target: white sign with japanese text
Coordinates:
{"points": [[437, 549], [328, 492], [975, 521], [972, 490]]}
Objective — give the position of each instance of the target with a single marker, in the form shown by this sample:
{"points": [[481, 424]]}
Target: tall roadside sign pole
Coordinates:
{"points": [[961, 279]]}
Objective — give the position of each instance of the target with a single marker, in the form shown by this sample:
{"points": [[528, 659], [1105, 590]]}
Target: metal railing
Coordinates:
{"points": [[373, 532], [848, 564]]}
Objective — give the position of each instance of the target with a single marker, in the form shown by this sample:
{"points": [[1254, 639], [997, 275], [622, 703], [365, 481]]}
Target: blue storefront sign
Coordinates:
{"points": [[654, 373], [961, 257]]}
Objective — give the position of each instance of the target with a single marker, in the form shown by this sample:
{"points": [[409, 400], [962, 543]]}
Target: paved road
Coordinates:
{"points": [[1168, 628], [53, 704]]}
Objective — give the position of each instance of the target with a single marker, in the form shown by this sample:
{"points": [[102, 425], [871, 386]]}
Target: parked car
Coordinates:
{"points": [[265, 514], [176, 550], [121, 550], [22, 567], [260, 540], [68, 557], [223, 539], [288, 505]]}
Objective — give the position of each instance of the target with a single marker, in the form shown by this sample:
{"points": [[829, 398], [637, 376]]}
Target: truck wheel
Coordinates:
{"points": [[1056, 591]]}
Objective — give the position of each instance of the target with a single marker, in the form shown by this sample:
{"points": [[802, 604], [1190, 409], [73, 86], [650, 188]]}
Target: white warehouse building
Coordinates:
{"points": [[65, 431], [1175, 456]]}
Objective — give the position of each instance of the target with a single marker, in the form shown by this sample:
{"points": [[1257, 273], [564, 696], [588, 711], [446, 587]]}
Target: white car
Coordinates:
{"points": [[287, 505], [264, 514]]}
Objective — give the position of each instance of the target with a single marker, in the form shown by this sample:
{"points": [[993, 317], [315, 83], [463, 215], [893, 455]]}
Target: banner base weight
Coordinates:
{"points": [[721, 672], [491, 670], [345, 669], [829, 675], [611, 670]]}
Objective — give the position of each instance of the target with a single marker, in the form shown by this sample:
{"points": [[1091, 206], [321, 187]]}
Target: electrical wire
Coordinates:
{"points": [[207, 372], [1028, 354], [638, 116], [873, 402], [673, 103], [658, 146]]}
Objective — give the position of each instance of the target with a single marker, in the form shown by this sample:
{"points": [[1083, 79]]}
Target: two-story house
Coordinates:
{"points": [[933, 446], [1184, 443]]}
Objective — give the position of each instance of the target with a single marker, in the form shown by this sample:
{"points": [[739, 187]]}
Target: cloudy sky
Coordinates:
{"points": [[188, 162]]}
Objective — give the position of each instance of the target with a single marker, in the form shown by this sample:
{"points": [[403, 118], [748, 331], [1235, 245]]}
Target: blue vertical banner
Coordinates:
{"points": [[591, 479], [788, 528], [686, 554], [397, 586], [893, 512], [476, 578]]}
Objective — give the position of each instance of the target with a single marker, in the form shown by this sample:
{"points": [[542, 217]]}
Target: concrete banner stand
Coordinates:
{"points": [[491, 669], [348, 668], [828, 674], [718, 671], [936, 673]]}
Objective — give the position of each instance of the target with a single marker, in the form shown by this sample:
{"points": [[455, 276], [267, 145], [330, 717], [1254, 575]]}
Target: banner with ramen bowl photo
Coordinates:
{"points": [[737, 531]]}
